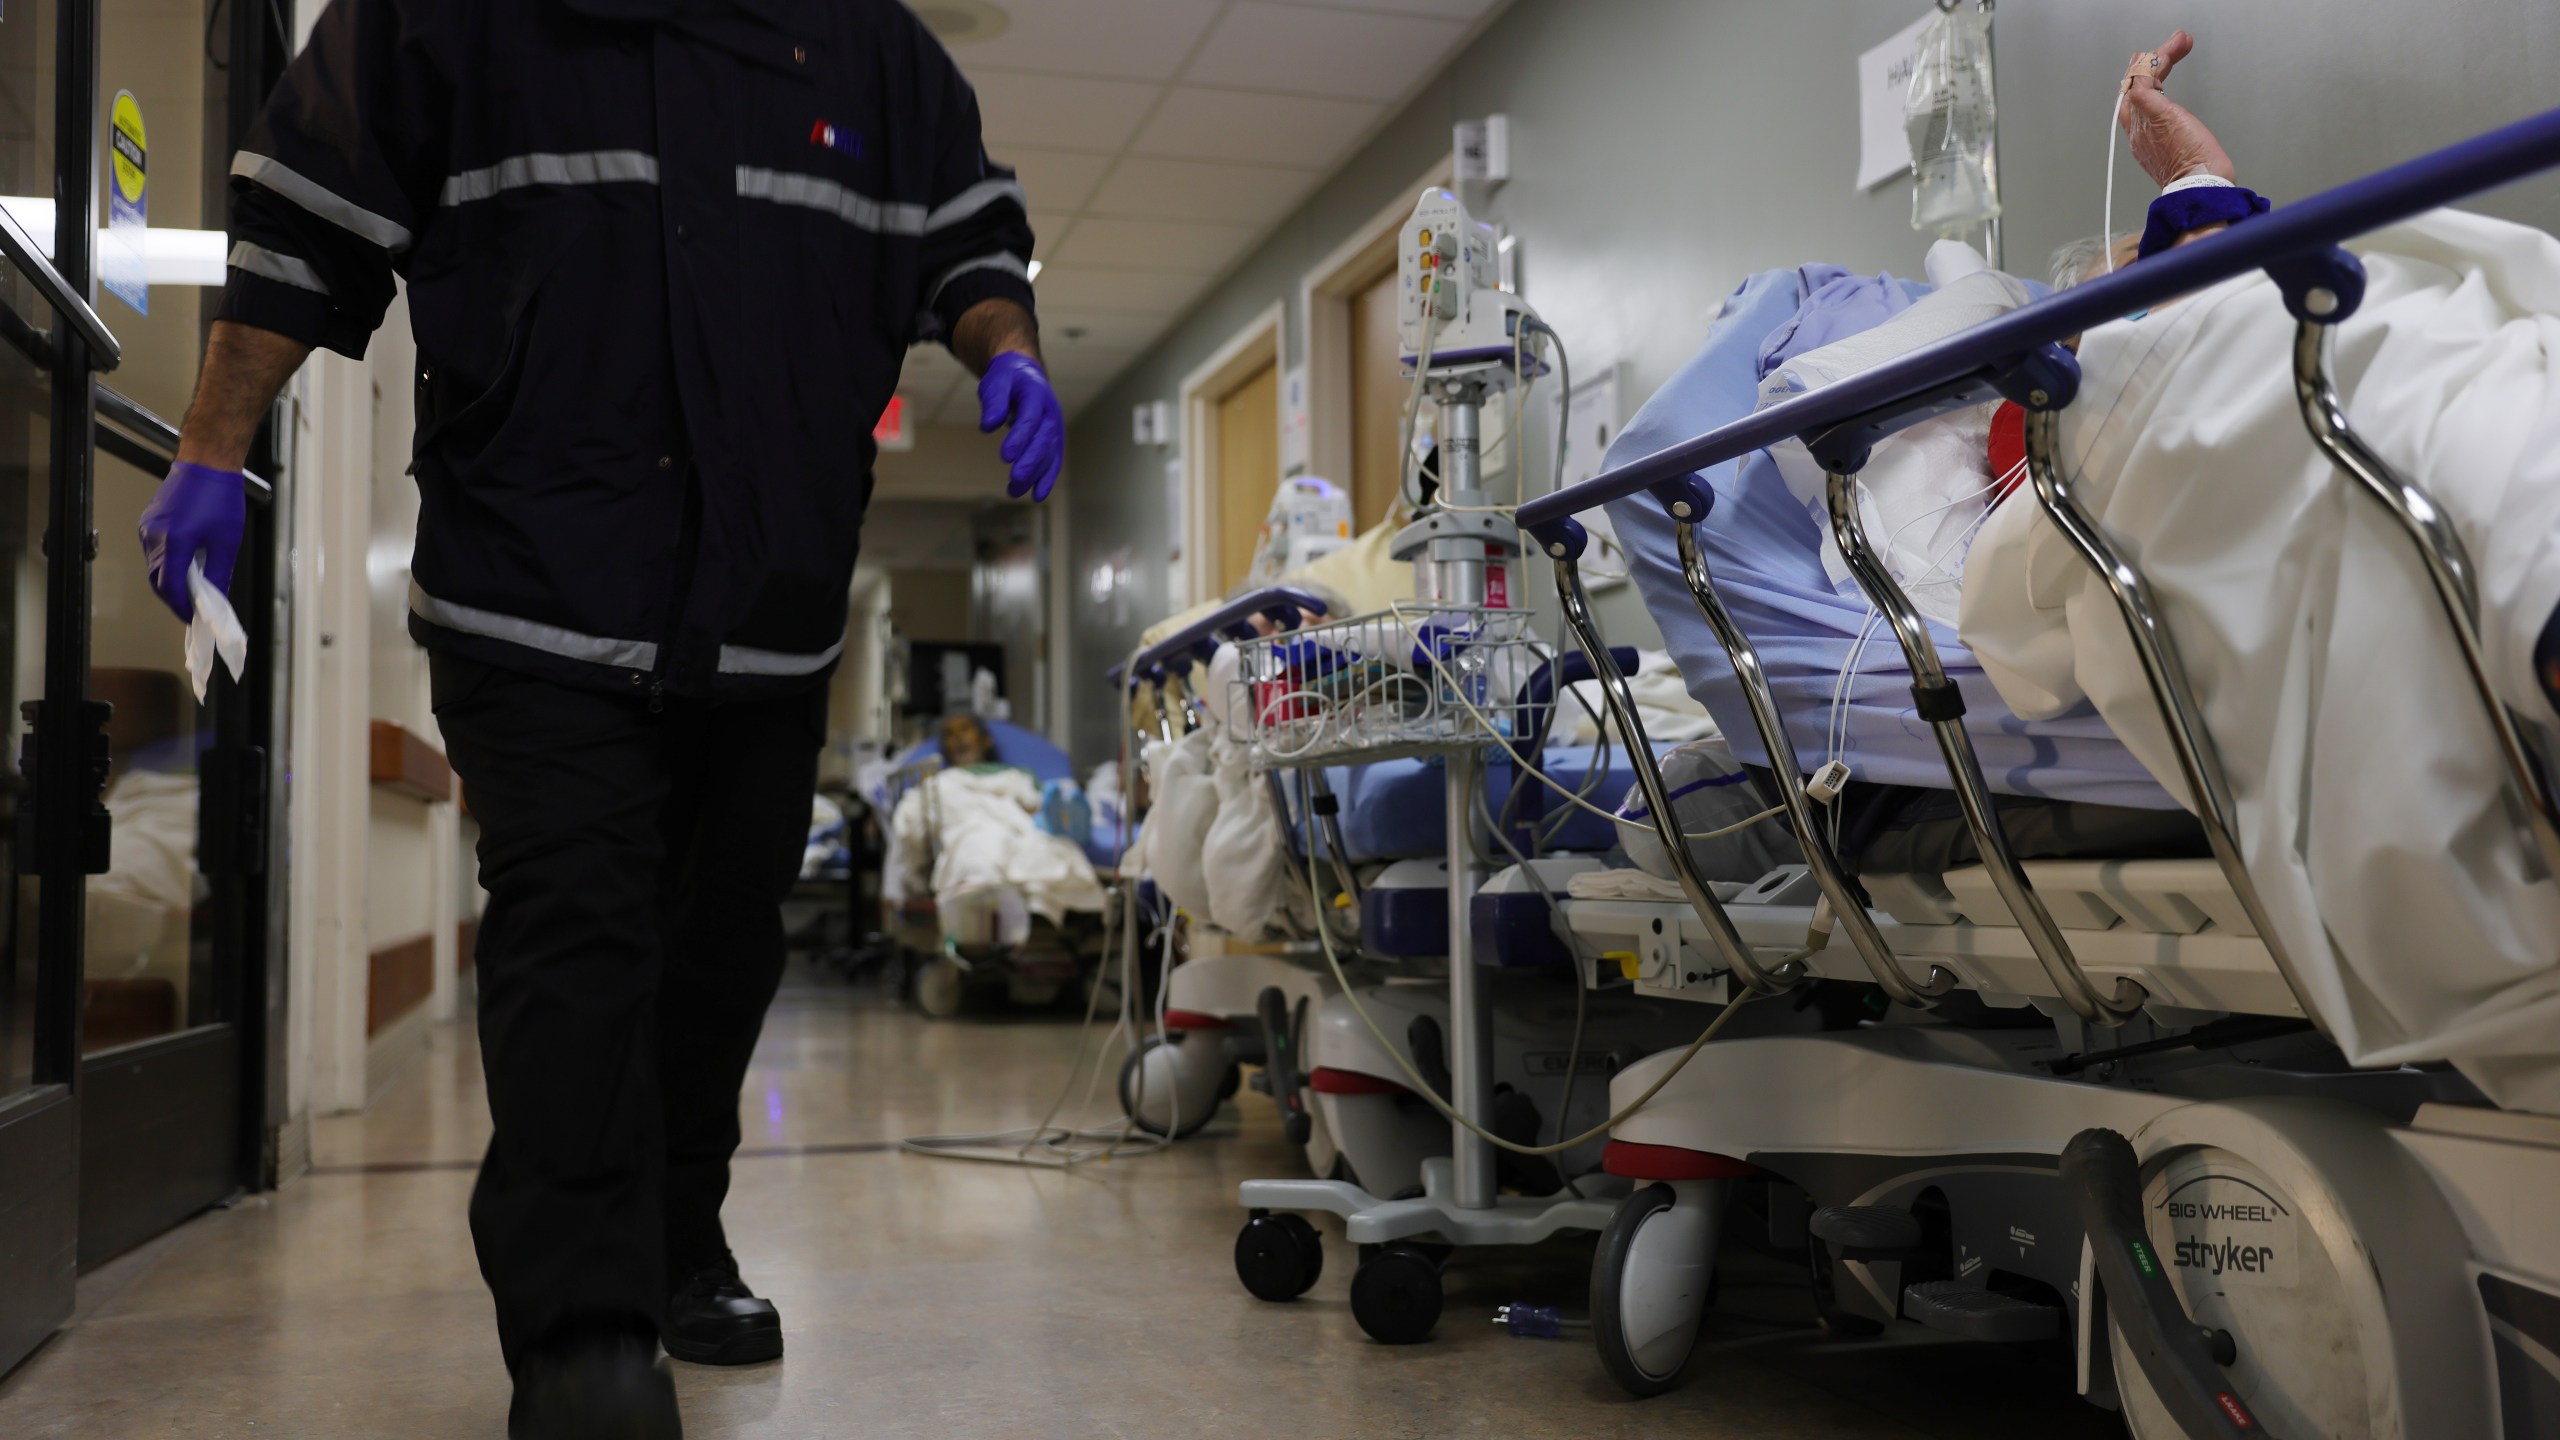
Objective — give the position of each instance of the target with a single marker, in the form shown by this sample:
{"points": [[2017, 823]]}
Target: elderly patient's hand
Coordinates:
{"points": [[2169, 142]]}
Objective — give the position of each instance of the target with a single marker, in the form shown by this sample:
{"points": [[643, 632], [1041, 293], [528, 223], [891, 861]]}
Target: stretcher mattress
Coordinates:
{"points": [[1394, 809]]}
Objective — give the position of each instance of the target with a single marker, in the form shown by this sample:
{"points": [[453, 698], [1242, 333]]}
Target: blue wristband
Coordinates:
{"points": [[2175, 214]]}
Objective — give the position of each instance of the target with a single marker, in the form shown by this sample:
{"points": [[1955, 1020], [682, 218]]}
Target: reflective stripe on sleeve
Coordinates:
{"points": [[739, 660], [1008, 263], [972, 200], [589, 167], [816, 192], [285, 269], [269, 173]]}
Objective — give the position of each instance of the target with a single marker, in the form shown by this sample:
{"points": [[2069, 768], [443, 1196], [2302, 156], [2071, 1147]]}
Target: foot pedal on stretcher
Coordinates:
{"points": [[1867, 1232], [1977, 1314]]}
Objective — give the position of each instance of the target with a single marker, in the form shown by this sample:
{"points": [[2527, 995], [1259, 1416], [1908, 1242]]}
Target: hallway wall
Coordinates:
{"points": [[1664, 149]]}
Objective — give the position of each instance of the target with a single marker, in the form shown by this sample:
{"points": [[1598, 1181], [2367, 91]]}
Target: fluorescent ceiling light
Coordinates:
{"points": [[1035, 270], [169, 257]]}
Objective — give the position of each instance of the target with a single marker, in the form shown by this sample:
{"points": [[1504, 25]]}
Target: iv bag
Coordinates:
{"points": [[1949, 118]]}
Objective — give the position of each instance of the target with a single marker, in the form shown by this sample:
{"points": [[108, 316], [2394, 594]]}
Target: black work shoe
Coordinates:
{"points": [[603, 1387], [716, 1320]]}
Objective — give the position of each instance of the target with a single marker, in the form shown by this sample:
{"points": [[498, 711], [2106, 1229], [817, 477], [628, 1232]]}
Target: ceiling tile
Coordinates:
{"points": [[1046, 231], [1146, 189], [1445, 9], [1098, 330], [1182, 246], [1077, 364], [1198, 124], [1342, 53], [1074, 397], [1059, 180], [1125, 39], [1129, 292], [1059, 111]]}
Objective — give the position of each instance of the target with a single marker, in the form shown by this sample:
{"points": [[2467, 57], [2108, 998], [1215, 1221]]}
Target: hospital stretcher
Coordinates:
{"points": [[2098, 1110], [989, 945], [1338, 1093]]}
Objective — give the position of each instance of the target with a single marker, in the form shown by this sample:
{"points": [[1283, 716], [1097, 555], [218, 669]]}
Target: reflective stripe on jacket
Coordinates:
{"points": [[663, 259]]}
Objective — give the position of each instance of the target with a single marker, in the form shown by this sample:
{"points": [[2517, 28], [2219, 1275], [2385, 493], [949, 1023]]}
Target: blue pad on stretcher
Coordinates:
{"points": [[1394, 809]]}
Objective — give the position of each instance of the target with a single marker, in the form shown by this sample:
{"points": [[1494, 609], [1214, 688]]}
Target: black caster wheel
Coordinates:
{"points": [[1650, 1282], [1278, 1257], [1395, 1295]]}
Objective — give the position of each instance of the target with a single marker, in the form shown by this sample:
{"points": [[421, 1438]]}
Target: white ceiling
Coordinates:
{"points": [[1158, 141]]}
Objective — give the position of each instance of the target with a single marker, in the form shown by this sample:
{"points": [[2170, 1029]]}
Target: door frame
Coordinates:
{"points": [[1325, 294], [1264, 340]]}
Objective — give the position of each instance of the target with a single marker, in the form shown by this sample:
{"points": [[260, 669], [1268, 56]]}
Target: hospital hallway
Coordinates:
{"points": [[926, 1296]]}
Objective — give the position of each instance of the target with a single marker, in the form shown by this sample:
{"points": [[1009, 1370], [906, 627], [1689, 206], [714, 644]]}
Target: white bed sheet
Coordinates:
{"points": [[2366, 780]]}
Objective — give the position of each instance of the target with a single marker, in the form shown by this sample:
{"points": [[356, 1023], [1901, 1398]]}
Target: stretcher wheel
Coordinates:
{"points": [[1166, 1091], [1278, 1257], [1650, 1281], [1395, 1295]]}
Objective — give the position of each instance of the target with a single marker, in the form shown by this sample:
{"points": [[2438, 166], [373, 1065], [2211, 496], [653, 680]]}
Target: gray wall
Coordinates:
{"points": [[1663, 149]]}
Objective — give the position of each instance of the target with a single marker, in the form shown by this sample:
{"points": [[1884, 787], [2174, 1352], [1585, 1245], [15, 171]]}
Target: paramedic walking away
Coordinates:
{"points": [[663, 258]]}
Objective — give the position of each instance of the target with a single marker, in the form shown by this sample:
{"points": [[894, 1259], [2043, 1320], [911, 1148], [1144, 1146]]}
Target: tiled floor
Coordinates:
{"points": [[928, 1297]]}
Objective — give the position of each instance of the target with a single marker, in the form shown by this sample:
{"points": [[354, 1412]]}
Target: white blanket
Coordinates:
{"points": [[2367, 785], [978, 830]]}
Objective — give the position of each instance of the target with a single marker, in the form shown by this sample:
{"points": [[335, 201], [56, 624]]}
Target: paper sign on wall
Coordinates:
{"points": [[1293, 421], [1884, 81], [121, 267]]}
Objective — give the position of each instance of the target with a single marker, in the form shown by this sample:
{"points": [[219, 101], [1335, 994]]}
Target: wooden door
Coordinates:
{"points": [[1248, 469], [1379, 393]]}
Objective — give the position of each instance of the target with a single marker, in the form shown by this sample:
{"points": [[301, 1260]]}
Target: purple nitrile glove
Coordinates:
{"points": [[198, 510], [1016, 392]]}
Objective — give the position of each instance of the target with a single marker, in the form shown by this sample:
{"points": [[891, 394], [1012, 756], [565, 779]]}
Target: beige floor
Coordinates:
{"points": [[926, 1297]]}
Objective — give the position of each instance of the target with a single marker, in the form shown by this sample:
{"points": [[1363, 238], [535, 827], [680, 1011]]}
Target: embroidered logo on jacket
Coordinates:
{"points": [[843, 142]]}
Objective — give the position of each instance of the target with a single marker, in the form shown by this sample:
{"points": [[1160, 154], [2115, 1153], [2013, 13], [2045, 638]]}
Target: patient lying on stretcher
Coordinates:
{"points": [[2371, 802], [975, 825]]}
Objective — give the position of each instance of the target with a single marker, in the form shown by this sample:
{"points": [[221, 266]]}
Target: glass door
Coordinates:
{"points": [[165, 1073], [133, 948], [39, 990]]}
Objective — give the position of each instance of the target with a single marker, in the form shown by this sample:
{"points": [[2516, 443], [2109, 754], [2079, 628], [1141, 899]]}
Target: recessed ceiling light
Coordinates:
{"points": [[963, 22]]}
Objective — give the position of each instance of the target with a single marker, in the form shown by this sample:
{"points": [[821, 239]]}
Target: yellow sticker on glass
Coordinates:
{"points": [[126, 140]]}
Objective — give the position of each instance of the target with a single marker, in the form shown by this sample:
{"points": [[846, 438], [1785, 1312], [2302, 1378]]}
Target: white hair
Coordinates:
{"points": [[2084, 260]]}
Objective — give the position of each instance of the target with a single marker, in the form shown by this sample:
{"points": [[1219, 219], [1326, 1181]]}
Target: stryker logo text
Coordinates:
{"points": [[2216, 1257]]}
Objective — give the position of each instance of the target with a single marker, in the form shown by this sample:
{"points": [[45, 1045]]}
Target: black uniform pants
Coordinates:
{"points": [[636, 864]]}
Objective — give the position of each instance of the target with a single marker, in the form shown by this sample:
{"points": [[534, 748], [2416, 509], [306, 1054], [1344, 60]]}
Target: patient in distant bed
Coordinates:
{"points": [[977, 824]]}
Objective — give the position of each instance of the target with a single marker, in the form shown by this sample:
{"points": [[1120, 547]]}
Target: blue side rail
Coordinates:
{"points": [[2019, 357], [1197, 641]]}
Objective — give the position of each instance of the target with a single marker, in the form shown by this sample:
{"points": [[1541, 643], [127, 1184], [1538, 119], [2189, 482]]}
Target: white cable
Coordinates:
{"points": [[1408, 471], [1047, 1145], [2107, 215], [1423, 1088], [1458, 693]]}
